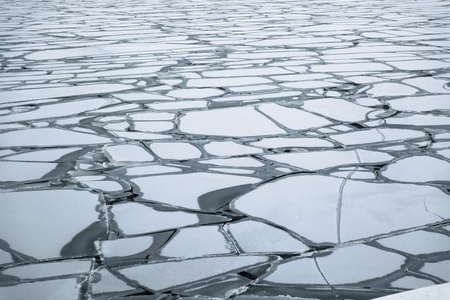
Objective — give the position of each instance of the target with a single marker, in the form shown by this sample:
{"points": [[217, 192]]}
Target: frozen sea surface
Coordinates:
{"points": [[199, 149]]}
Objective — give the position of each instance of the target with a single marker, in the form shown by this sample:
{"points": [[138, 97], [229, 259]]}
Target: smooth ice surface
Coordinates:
{"points": [[195, 242], [128, 153], [418, 242], [437, 269], [419, 120], [358, 263], [160, 276], [338, 109], [410, 282], [109, 283], [44, 137], [5, 257], [175, 150], [301, 271], [125, 247], [230, 148], [293, 118], [50, 269], [254, 236], [148, 170], [57, 110], [234, 122], [422, 103], [418, 169], [432, 85], [234, 162], [35, 94], [50, 290], [22, 171], [292, 142], [391, 89], [195, 93]]}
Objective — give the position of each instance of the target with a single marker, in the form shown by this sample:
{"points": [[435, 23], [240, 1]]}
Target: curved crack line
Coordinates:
{"points": [[340, 198], [324, 278], [426, 209]]}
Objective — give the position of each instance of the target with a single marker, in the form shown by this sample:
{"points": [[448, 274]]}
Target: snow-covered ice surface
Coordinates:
{"points": [[203, 149]]}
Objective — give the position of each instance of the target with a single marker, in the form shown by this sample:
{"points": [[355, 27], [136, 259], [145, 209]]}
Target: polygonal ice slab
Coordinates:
{"points": [[438, 269], [150, 170], [57, 92], [422, 64], [293, 118], [49, 290], [247, 72], [419, 120], [422, 103], [175, 150], [152, 116], [430, 84], [124, 247], [297, 202], [391, 89], [50, 269], [328, 159], [106, 282], [418, 242], [292, 142], [376, 135], [44, 137], [121, 154], [5, 257], [23, 171], [189, 187], [197, 241], [110, 50], [156, 126], [229, 148], [195, 93], [358, 263], [410, 282], [234, 162], [58, 110], [253, 236], [337, 109], [226, 81], [359, 67], [41, 223], [418, 169], [233, 122], [300, 271], [161, 276]]}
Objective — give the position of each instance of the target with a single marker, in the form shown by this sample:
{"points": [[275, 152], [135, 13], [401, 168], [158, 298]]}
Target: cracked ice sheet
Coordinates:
{"points": [[348, 210], [161, 102]]}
